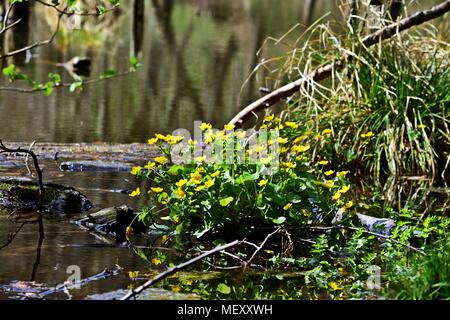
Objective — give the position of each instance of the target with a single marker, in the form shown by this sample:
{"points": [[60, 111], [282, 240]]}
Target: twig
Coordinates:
{"points": [[261, 246], [326, 71], [12, 236], [5, 20], [36, 44], [62, 85], [26, 157], [177, 268], [70, 13], [4, 149]]}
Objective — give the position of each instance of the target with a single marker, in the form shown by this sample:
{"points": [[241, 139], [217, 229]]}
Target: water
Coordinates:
{"points": [[195, 56]]}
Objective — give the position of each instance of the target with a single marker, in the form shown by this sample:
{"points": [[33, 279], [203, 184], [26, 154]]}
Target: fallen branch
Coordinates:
{"points": [[326, 71], [107, 273], [171, 271]]}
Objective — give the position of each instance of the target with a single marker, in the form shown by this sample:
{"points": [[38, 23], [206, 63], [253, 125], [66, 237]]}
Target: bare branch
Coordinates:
{"points": [[4, 149], [177, 268], [36, 44], [70, 13], [5, 20]]}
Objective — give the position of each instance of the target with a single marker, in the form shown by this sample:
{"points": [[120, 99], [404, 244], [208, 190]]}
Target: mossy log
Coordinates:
{"points": [[23, 195]]}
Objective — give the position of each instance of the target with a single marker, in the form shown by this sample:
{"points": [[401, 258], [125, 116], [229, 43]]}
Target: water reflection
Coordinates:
{"points": [[196, 55]]}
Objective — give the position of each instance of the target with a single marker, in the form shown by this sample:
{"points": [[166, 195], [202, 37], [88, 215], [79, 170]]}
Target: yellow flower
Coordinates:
{"points": [[240, 134], [133, 274], [196, 178], [269, 118], [328, 184], [165, 238], [150, 165], [180, 193], [282, 140], [335, 286], [342, 174], [266, 160], [258, 149], [291, 124], [215, 174], [135, 170], [326, 131], [289, 165], [349, 204], [136, 193], [199, 188], [157, 190], [263, 126], [156, 261], [300, 148], [287, 207], [152, 141], [200, 170], [209, 183], [209, 138], [329, 172], [322, 163], [337, 195], [176, 219], [181, 183], [176, 289], [421, 126], [160, 136], [345, 189], [262, 183], [192, 142], [206, 126], [229, 127], [161, 160], [200, 159], [367, 135], [175, 139]]}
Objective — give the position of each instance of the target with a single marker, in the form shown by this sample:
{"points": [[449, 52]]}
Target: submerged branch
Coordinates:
{"points": [[177, 268], [326, 71]]}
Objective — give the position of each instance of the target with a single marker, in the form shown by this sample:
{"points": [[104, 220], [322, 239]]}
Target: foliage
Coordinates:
{"points": [[203, 197], [393, 97], [384, 113]]}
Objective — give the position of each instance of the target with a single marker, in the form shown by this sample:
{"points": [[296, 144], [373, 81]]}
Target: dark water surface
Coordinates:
{"points": [[195, 56]]}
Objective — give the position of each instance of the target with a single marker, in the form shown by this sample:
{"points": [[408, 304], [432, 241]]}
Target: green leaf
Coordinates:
{"points": [[279, 220], [134, 63], [10, 72], [108, 74], [223, 288], [76, 85], [226, 201]]}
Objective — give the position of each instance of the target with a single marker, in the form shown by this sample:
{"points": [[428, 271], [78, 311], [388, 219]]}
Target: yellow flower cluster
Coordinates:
{"points": [[170, 139]]}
